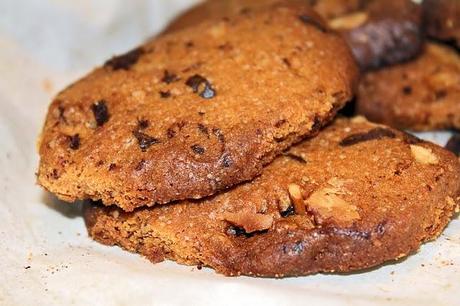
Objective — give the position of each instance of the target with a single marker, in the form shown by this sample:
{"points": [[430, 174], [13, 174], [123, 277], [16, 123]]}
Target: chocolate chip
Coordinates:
{"points": [[142, 124], [317, 124], [288, 212], [197, 149], [227, 161], [407, 90], [165, 94], [189, 44], [74, 142], [112, 167], [295, 157], [101, 112], [373, 134], [144, 140], [126, 60], [453, 144], [312, 21], [169, 77], [196, 81]]}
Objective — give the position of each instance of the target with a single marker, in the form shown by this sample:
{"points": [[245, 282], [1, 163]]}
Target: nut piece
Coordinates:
{"points": [[423, 155], [296, 197], [349, 21], [249, 221], [327, 205]]}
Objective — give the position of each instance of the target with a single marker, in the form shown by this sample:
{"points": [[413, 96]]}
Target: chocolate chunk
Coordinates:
{"points": [[169, 77], [142, 124], [197, 149], [453, 144], [74, 142], [101, 112], [311, 21], [373, 134], [165, 94], [144, 140], [288, 212], [196, 81], [295, 157], [126, 60]]}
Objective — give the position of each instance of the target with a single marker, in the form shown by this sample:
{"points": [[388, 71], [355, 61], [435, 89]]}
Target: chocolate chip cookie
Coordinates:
{"points": [[197, 111], [353, 197], [442, 20], [379, 32], [422, 94]]}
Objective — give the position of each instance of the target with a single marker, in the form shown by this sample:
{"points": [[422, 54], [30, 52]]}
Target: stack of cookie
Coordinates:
{"points": [[215, 144]]}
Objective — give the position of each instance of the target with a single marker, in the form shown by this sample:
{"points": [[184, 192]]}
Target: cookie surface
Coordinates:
{"points": [[442, 20], [353, 197], [422, 94], [197, 111], [379, 32]]}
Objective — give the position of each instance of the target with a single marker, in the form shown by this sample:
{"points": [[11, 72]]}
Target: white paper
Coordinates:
{"points": [[46, 257]]}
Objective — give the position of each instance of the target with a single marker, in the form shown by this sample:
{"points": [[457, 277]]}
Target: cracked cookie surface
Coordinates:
{"points": [[197, 111], [353, 197]]}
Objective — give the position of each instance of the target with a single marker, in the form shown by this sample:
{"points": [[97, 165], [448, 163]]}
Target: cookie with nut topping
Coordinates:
{"points": [[197, 111], [379, 32], [422, 94], [326, 205]]}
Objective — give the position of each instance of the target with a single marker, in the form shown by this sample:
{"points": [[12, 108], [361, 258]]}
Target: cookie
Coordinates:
{"points": [[379, 32], [196, 111], [442, 20], [353, 197], [422, 94]]}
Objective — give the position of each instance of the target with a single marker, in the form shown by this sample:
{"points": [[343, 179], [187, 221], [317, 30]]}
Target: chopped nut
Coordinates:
{"points": [[296, 197], [349, 21], [249, 221], [359, 119], [326, 204], [424, 155]]}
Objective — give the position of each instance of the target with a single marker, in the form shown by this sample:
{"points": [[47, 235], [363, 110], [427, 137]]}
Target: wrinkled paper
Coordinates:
{"points": [[46, 257]]}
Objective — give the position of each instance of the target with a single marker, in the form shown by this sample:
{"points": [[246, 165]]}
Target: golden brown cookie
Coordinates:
{"points": [[442, 20], [422, 94], [353, 197], [379, 32], [196, 111]]}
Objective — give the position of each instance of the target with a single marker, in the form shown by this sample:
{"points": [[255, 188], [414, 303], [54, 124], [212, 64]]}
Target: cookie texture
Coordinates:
{"points": [[442, 20], [196, 111], [353, 197], [422, 94], [379, 32]]}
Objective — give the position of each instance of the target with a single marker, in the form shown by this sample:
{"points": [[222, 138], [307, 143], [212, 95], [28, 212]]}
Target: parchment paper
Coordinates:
{"points": [[46, 257]]}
